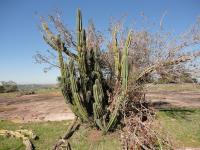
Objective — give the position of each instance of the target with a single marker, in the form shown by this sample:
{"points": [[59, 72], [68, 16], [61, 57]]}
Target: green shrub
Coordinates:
{"points": [[1, 89], [26, 92], [9, 86]]}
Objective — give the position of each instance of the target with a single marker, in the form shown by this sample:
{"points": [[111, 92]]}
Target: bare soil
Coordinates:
{"points": [[35, 108], [50, 107], [171, 99]]}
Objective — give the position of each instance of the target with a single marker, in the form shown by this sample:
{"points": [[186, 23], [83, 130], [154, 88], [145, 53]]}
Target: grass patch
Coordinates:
{"points": [[183, 125], [47, 90], [88, 139], [174, 87], [49, 132], [8, 95]]}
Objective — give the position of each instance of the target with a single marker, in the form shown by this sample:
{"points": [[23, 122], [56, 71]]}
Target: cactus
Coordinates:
{"points": [[124, 79], [82, 82], [116, 55], [124, 63]]}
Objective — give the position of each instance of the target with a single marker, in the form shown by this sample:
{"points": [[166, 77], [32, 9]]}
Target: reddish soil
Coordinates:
{"points": [[53, 108]]}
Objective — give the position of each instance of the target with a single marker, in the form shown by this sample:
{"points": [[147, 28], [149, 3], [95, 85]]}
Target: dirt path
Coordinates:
{"points": [[53, 108]]}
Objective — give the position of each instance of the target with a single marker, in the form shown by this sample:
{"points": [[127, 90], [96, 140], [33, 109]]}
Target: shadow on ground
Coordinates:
{"points": [[180, 113]]}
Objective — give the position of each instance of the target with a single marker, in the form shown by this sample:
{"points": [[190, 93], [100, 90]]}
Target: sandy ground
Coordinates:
{"points": [[53, 108], [35, 108], [166, 99]]}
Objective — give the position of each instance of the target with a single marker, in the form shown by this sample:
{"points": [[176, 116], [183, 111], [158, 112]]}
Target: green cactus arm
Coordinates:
{"points": [[62, 65], [49, 42], [83, 39], [116, 54], [124, 63], [82, 53], [76, 97], [95, 93], [97, 69], [82, 72], [98, 96], [72, 78], [82, 64], [70, 103], [65, 50], [82, 111], [79, 29], [65, 86], [98, 105], [97, 117], [113, 116], [81, 48], [47, 30], [53, 40], [99, 90], [50, 38], [70, 54], [112, 122]]}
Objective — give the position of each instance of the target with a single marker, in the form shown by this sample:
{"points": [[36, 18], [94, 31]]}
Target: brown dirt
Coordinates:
{"points": [[94, 135], [35, 108], [97, 135], [51, 107], [165, 99]]}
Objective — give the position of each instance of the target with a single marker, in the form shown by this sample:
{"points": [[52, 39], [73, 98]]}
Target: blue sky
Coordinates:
{"points": [[20, 37]]}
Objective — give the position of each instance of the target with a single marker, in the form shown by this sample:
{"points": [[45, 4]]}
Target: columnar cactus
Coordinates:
{"points": [[83, 84]]}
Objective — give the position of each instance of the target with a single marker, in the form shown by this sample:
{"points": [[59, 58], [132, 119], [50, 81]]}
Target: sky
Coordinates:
{"points": [[20, 37]]}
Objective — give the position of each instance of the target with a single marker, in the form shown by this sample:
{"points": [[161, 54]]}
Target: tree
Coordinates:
{"points": [[9, 86], [1, 89]]}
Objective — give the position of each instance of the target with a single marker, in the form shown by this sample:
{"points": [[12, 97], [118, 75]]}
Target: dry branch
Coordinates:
{"points": [[163, 64], [63, 142]]}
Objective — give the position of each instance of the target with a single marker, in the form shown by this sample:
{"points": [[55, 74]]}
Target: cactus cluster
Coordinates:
{"points": [[82, 81]]}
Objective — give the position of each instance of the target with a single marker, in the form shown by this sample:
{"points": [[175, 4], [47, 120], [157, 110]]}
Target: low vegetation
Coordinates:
{"points": [[182, 126]]}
